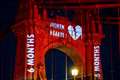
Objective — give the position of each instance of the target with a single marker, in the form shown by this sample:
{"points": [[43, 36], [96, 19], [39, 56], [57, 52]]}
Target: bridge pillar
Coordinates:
{"points": [[33, 37]]}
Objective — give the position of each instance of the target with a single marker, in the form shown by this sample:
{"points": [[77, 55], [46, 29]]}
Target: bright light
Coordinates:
{"points": [[74, 72]]}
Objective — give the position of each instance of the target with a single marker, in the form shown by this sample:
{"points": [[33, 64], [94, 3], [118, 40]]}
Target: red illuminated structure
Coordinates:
{"points": [[36, 34]]}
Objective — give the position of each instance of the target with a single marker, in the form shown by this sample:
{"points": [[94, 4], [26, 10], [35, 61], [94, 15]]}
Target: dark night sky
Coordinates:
{"points": [[8, 10], [7, 44]]}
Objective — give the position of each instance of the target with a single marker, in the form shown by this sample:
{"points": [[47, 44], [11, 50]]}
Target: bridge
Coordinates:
{"points": [[38, 30]]}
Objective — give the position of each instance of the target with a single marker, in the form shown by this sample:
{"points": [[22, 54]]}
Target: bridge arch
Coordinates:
{"points": [[69, 51]]}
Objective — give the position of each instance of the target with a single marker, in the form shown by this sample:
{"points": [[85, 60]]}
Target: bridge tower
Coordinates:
{"points": [[80, 39]]}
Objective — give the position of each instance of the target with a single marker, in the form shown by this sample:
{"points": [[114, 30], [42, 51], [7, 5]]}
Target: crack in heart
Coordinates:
{"points": [[75, 33]]}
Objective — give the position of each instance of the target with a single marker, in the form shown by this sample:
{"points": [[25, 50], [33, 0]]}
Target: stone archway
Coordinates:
{"points": [[73, 55]]}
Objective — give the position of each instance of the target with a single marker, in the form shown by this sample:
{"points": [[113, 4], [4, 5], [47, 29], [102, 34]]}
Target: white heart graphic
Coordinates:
{"points": [[75, 33]]}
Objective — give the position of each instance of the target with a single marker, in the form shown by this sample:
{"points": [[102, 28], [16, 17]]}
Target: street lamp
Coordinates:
{"points": [[74, 72]]}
